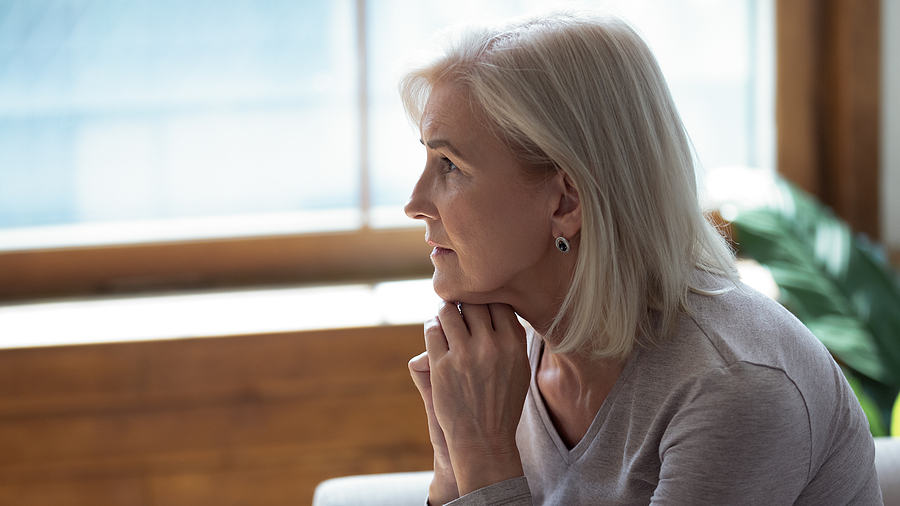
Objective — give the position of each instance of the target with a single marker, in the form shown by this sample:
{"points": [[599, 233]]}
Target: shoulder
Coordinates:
{"points": [[744, 400], [747, 378], [735, 432], [743, 328], [731, 430], [740, 325], [743, 325]]}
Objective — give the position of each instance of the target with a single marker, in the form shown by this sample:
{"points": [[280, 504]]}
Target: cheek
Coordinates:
{"points": [[511, 238], [495, 229], [523, 220], [463, 217]]}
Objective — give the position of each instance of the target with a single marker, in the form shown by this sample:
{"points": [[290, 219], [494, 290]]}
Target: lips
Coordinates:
{"points": [[438, 249], [435, 244]]}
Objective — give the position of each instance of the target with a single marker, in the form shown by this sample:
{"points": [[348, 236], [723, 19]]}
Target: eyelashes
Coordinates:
{"points": [[449, 166]]}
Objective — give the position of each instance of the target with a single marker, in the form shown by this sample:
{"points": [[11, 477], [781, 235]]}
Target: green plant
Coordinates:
{"points": [[838, 284], [895, 418]]}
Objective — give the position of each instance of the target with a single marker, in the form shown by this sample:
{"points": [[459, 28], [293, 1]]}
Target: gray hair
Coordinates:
{"points": [[584, 95]]}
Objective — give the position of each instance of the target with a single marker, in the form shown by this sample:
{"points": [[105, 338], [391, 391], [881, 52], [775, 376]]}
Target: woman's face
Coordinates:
{"points": [[491, 230]]}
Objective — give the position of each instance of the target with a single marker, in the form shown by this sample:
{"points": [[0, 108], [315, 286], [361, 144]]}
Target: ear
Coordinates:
{"points": [[566, 217]]}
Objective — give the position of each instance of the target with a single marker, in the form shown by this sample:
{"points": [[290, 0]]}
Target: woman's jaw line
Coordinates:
{"points": [[540, 322]]}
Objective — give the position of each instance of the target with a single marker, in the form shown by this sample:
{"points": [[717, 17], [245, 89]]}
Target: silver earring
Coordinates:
{"points": [[563, 244]]}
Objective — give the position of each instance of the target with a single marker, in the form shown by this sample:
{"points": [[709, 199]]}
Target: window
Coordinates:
{"points": [[192, 143], [177, 119]]}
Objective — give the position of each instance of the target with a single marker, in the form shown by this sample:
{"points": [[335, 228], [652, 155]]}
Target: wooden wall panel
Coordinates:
{"points": [[798, 99], [232, 420], [828, 103]]}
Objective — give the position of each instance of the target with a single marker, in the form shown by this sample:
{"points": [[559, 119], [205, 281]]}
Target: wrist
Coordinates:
{"points": [[443, 487], [475, 471], [440, 493]]}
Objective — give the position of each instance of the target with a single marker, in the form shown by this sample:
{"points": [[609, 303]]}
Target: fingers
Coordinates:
{"points": [[419, 363], [477, 318], [473, 379], [421, 375], [435, 339], [458, 323], [419, 368], [452, 322], [504, 318], [464, 320]]}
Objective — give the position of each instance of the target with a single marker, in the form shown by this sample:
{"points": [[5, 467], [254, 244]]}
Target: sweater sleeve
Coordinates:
{"points": [[742, 436], [513, 492]]}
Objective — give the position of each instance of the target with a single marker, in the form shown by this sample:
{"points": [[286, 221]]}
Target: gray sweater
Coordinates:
{"points": [[743, 405]]}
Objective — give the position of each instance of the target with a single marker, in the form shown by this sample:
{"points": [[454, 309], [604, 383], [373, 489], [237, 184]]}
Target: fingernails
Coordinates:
{"points": [[420, 363]]}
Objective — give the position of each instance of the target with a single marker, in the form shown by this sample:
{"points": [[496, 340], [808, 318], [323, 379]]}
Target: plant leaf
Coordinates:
{"points": [[836, 283], [868, 405], [895, 418]]}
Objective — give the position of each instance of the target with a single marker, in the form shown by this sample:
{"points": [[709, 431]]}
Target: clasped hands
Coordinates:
{"points": [[473, 378]]}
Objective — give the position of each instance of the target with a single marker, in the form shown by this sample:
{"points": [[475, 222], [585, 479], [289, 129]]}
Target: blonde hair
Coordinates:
{"points": [[585, 95]]}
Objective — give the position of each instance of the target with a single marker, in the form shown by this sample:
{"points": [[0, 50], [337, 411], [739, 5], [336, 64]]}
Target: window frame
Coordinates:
{"points": [[360, 255]]}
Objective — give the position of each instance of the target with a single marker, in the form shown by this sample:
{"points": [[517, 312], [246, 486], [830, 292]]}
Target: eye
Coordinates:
{"points": [[448, 165]]}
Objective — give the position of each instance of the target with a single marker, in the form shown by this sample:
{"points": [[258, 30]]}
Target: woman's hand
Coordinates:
{"points": [[443, 487], [479, 375]]}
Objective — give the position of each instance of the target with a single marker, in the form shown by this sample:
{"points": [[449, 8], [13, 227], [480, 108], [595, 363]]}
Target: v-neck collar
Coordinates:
{"points": [[570, 456]]}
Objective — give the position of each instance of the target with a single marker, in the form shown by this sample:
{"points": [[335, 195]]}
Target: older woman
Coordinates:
{"points": [[559, 186]]}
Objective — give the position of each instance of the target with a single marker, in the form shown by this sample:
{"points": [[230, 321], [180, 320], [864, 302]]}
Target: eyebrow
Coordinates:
{"points": [[441, 143]]}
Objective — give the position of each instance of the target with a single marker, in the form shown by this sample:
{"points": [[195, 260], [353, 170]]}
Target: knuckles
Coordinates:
{"points": [[434, 334], [419, 363], [445, 306], [432, 324]]}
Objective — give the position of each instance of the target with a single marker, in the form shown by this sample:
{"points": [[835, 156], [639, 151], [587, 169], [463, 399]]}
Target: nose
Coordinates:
{"points": [[420, 205]]}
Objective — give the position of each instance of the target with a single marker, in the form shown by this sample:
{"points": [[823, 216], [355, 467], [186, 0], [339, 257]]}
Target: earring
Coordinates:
{"points": [[563, 244]]}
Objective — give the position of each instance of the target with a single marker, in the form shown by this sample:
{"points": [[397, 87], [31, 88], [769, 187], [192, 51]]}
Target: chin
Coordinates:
{"points": [[450, 291], [445, 290]]}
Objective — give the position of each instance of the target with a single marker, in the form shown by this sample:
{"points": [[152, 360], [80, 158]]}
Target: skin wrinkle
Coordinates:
{"points": [[504, 231]]}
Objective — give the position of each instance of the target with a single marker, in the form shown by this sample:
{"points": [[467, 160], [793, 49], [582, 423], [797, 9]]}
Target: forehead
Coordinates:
{"points": [[448, 112]]}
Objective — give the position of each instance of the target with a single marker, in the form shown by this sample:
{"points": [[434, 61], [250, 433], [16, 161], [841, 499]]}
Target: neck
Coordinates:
{"points": [[538, 295], [574, 387], [541, 305], [581, 373]]}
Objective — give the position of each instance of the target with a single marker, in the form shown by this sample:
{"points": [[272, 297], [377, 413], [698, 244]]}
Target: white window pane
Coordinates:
{"points": [[147, 110]]}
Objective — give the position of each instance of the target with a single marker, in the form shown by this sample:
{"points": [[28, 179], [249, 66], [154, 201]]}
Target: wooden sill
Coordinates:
{"points": [[363, 255]]}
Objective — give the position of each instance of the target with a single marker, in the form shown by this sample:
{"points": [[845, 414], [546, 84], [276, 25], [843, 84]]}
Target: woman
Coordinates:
{"points": [[559, 187]]}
